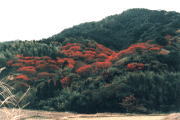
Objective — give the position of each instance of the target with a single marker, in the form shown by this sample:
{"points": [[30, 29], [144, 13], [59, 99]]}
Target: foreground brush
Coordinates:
{"points": [[9, 104]]}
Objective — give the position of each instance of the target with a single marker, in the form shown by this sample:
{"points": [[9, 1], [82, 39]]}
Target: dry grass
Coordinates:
{"points": [[174, 116], [10, 114], [45, 115], [7, 99], [122, 117]]}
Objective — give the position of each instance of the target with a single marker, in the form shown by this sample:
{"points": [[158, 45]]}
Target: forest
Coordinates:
{"points": [[128, 62]]}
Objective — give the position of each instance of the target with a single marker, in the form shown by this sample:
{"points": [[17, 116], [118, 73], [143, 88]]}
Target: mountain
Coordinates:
{"points": [[131, 26], [124, 63]]}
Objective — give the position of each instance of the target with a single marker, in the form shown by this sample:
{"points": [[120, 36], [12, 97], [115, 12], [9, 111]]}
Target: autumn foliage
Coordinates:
{"points": [[98, 52], [140, 46], [135, 66], [65, 81], [45, 75], [68, 61], [84, 69], [102, 65], [93, 58], [27, 69], [22, 77]]}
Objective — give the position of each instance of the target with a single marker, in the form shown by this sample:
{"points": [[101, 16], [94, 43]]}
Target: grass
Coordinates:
{"points": [[7, 99], [45, 115], [123, 118]]}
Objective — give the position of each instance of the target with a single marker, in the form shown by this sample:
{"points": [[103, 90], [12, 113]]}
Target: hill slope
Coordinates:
{"points": [[119, 31], [124, 63]]}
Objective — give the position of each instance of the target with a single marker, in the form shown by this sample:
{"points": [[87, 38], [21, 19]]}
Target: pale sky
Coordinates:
{"points": [[37, 19]]}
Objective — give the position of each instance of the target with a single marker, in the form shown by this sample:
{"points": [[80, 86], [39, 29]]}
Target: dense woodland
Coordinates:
{"points": [[129, 62]]}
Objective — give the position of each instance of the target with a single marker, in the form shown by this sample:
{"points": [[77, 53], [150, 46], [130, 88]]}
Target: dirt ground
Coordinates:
{"points": [[18, 114]]}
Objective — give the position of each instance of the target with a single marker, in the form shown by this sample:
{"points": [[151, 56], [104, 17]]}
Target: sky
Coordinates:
{"points": [[37, 19]]}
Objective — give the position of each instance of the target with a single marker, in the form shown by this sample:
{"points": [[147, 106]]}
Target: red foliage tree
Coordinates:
{"points": [[154, 48], [143, 46], [52, 67], [68, 45], [72, 53], [103, 49], [51, 61], [10, 62], [102, 65], [46, 57], [75, 48], [28, 62], [27, 58], [134, 66], [102, 55], [39, 62], [70, 62], [17, 65], [66, 81], [84, 69], [112, 58], [37, 58], [22, 77], [41, 66], [19, 56], [45, 75], [90, 52], [88, 57], [31, 69]]}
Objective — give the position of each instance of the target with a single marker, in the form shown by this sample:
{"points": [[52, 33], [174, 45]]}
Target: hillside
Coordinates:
{"points": [[124, 63], [121, 30]]}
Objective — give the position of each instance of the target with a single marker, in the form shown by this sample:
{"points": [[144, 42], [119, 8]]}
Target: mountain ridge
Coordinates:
{"points": [[116, 28]]}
